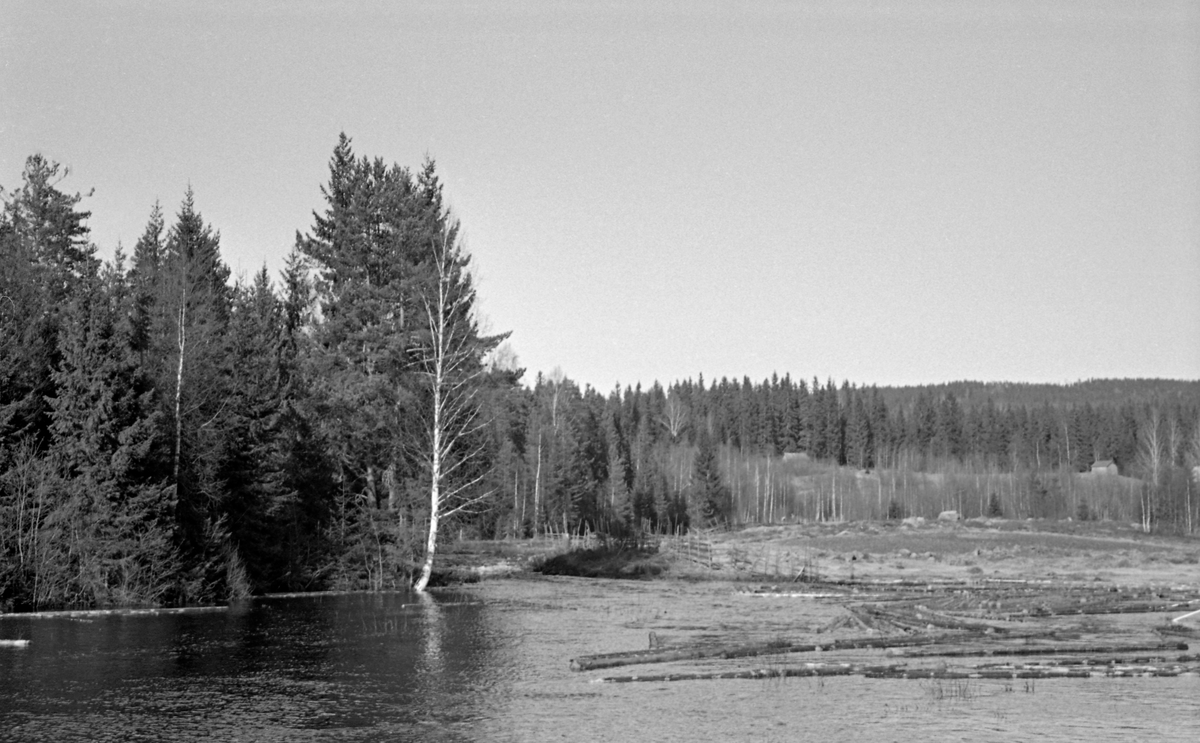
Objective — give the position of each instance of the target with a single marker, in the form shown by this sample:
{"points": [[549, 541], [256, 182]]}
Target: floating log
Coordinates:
{"points": [[1042, 650], [810, 669], [746, 650], [1106, 608], [14, 643], [1082, 672], [1144, 662], [698, 652], [90, 613], [1178, 630], [923, 617], [904, 672], [793, 595]]}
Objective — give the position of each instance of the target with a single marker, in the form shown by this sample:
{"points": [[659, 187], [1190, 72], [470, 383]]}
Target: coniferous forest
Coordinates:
{"points": [[170, 435]]}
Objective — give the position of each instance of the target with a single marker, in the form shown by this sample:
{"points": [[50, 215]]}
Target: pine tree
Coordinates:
{"points": [[44, 256], [50, 223]]}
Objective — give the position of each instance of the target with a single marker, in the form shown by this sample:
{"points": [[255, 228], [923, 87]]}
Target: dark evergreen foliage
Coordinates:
{"points": [[167, 436]]}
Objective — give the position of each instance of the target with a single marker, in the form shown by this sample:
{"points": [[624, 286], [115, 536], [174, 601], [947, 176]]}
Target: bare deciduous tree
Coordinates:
{"points": [[452, 366], [1193, 461], [1152, 457], [675, 416]]}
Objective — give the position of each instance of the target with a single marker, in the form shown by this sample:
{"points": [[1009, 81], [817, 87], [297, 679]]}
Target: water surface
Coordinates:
{"points": [[490, 663]]}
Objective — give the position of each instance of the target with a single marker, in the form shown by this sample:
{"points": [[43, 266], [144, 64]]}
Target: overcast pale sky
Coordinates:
{"points": [[885, 192]]}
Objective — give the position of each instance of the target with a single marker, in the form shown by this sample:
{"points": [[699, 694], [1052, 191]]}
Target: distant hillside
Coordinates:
{"points": [[1093, 391]]}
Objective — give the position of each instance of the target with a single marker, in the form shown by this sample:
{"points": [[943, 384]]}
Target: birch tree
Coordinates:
{"points": [[1193, 461], [675, 415], [1153, 460], [452, 361]]}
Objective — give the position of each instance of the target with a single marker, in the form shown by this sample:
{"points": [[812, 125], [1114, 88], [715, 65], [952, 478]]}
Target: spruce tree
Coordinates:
{"points": [[709, 492], [118, 547], [187, 356], [367, 250], [618, 487], [393, 285], [143, 278], [259, 500]]}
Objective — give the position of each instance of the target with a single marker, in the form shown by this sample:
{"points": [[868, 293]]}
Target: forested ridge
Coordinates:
{"points": [[169, 435]]}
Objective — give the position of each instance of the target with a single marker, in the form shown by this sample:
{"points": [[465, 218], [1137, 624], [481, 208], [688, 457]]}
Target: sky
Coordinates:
{"points": [[880, 192]]}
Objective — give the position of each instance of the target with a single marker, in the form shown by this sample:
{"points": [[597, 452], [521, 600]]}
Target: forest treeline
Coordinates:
{"points": [[171, 435]]}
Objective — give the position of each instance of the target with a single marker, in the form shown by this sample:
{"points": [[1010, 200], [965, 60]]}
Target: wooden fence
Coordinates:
{"points": [[699, 548]]}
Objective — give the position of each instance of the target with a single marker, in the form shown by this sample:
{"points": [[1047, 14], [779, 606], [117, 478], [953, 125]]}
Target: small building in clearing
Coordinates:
{"points": [[1105, 467]]}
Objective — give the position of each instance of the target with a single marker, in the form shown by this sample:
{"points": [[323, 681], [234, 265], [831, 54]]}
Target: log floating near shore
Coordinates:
{"points": [[793, 595], [1143, 660], [904, 672], [699, 652], [1046, 673], [811, 669], [91, 613], [1042, 650], [1106, 608]]}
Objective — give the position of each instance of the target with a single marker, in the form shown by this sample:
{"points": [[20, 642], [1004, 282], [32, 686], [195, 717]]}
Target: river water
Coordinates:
{"points": [[489, 662]]}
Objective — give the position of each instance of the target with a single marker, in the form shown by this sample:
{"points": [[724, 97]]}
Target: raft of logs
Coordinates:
{"points": [[923, 621]]}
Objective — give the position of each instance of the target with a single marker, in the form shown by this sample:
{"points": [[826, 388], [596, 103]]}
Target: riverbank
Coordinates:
{"points": [[943, 600], [996, 549]]}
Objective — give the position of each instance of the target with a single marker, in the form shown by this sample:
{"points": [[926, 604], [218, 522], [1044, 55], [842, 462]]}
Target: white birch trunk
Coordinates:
{"points": [[537, 487], [435, 462], [449, 366], [182, 336]]}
